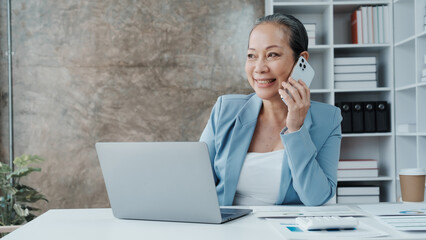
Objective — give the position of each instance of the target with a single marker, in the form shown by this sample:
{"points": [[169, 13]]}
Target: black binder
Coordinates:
{"points": [[357, 117], [369, 116], [382, 117], [346, 110]]}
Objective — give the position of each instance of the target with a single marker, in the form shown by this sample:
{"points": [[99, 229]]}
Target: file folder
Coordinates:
{"points": [[346, 110], [357, 117], [369, 116], [382, 117]]}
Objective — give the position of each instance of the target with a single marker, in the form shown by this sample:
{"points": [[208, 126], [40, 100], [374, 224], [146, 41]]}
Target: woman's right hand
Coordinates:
{"points": [[298, 103]]}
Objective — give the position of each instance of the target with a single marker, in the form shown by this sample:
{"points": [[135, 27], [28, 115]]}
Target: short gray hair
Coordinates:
{"points": [[298, 38]]}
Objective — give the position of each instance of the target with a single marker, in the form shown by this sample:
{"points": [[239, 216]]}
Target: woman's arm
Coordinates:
{"points": [[314, 171], [209, 133]]}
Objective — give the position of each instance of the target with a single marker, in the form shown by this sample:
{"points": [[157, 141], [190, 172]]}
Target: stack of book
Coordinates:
{"points": [[370, 24], [361, 194], [310, 30], [355, 72], [357, 168]]}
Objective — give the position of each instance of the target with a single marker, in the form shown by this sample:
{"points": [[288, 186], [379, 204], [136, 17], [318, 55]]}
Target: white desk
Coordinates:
{"points": [[93, 224]]}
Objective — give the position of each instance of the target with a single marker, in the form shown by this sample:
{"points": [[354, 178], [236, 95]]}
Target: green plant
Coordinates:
{"points": [[16, 198]]}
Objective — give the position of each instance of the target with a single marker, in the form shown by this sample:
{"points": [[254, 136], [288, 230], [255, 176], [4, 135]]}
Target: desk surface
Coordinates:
{"points": [[101, 224]]}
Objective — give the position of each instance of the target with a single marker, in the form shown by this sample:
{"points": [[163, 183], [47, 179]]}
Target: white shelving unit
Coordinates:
{"points": [[410, 92], [333, 39]]}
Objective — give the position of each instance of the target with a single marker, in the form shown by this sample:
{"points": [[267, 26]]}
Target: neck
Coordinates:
{"points": [[275, 110]]}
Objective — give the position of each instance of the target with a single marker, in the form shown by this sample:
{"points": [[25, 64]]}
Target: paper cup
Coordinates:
{"points": [[412, 182]]}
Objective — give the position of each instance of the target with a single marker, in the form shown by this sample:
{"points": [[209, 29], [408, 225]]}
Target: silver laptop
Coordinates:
{"points": [[166, 181]]}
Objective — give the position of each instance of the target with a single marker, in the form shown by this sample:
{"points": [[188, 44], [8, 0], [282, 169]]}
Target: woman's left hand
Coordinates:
{"points": [[298, 103]]}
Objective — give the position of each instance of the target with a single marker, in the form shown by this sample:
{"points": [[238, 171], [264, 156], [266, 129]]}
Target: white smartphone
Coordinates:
{"points": [[302, 70]]}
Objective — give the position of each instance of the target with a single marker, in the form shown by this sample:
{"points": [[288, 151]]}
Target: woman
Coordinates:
{"points": [[265, 151]]}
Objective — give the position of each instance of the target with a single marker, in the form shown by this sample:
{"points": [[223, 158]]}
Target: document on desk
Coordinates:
{"points": [[405, 223], [290, 230], [302, 211], [399, 216], [396, 209]]}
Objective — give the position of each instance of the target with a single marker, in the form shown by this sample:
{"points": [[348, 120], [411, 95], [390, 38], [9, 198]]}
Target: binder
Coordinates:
{"points": [[346, 110], [357, 117], [382, 117], [369, 116]]}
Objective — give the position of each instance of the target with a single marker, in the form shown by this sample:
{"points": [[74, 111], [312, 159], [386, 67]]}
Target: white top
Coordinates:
{"points": [[260, 178]]}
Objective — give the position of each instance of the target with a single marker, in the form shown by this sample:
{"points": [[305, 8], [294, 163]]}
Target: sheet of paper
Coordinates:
{"points": [[298, 211], [290, 230], [395, 209], [405, 223]]}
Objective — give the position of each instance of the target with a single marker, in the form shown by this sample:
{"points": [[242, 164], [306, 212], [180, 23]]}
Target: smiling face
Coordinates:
{"points": [[269, 60]]}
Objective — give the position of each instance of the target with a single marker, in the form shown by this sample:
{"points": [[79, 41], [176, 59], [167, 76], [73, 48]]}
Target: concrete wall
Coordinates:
{"points": [[115, 70]]}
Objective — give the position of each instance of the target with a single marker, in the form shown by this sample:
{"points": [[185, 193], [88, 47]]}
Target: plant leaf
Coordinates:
{"points": [[30, 197], [4, 168], [24, 160], [23, 172], [14, 196], [7, 188], [17, 220], [21, 212], [28, 194]]}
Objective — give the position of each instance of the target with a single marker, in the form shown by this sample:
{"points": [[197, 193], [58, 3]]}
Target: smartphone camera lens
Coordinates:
{"points": [[304, 66], [303, 60], [300, 65]]}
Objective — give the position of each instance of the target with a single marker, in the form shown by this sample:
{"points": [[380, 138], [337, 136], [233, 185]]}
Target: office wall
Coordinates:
{"points": [[115, 70]]}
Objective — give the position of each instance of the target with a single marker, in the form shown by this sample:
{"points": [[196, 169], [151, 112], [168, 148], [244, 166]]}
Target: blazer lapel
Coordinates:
{"points": [[245, 125]]}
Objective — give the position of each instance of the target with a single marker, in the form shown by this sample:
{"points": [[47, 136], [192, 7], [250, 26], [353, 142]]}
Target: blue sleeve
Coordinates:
{"points": [[209, 133], [314, 171]]}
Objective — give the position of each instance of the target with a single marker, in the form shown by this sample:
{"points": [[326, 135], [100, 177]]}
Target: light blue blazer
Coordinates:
{"points": [[309, 169]]}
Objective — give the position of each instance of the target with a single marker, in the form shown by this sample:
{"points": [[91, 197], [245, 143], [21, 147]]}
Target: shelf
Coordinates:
{"points": [[384, 134], [383, 89], [365, 179], [407, 134], [408, 87], [333, 36], [366, 46], [350, 6], [320, 90], [422, 35], [405, 41], [361, 2], [318, 48], [301, 8]]}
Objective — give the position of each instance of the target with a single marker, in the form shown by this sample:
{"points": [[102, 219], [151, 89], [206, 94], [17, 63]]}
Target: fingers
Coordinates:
{"points": [[285, 96], [307, 90], [298, 90]]}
